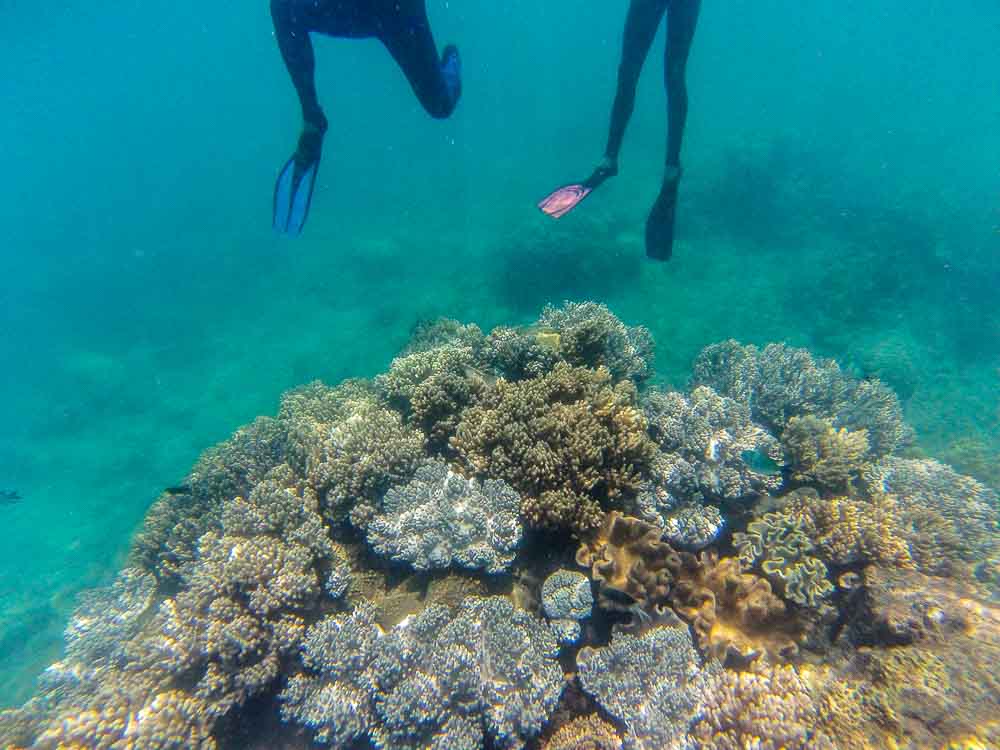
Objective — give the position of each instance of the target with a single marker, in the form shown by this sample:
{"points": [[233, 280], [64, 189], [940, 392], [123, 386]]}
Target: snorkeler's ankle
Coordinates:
{"points": [[608, 165]]}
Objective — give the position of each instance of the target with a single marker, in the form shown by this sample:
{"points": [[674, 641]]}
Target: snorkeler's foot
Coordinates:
{"points": [[451, 70], [564, 199], [294, 188], [660, 224]]}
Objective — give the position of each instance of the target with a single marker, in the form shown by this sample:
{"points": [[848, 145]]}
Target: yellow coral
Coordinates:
{"points": [[822, 455]]}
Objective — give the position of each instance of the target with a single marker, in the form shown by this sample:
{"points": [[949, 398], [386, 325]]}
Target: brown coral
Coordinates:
{"points": [[589, 732], [846, 531], [633, 568], [570, 430], [770, 709], [822, 455], [735, 616]]}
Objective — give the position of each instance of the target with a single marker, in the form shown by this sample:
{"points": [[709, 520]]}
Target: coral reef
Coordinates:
{"points": [[778, 545], [706, 437], [652, 683], [693, 526], [951, 522], [566, 599], [433, 681], [735, 616], [439, 518], [823, 456], [633, 568], [568, 441], [585, 733], [432, 387], [771, 709], [384, 564], [590, 335], [779, 382]]}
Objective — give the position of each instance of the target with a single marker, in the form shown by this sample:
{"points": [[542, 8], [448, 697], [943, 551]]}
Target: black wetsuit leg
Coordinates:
{"points": [[406, 33], [682, 18], [641, 24]]}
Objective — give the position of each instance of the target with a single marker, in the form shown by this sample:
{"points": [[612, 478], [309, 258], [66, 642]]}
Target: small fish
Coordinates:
{"points": [[9, 497], [761, 462], [180, 489]]}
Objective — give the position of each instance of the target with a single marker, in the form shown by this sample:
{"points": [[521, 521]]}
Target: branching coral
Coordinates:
{"points": [[711, 434], [777, 543], [652, 683], [591, 336], [693, 526], [569, 433], [435, 681], [735, 616], [432, 334], [241, 607], [440, 518], [633, 568], [846, 531], [107, 618], [432, 387], [780, 382], [821, 455], [771, 709], [950, 521], [588, 732], [518, 354]]}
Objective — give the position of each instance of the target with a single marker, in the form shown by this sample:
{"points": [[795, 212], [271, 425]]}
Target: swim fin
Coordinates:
{"points": [[562, 200], [293, 195], [660, 224]]}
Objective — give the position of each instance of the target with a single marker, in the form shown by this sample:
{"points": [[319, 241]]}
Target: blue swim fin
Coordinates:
{"points": [[293, 195]]}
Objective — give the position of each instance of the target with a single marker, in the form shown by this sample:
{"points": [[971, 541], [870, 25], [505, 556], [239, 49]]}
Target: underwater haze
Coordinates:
{"points": [[841, 194]]}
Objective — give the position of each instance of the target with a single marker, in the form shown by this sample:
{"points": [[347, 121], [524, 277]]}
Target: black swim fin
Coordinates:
{"points": [[293, 195], [660, 224]]}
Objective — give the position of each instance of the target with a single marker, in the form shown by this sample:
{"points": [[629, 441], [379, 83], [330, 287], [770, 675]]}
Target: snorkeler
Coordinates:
{"points": [[402, 26], [641, 24]]}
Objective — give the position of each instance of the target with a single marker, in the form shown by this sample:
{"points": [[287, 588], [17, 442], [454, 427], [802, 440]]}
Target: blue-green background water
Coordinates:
{"points": [[842, 192]]}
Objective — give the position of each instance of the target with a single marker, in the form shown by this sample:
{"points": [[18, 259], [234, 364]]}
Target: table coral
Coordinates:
{"points": [[440, 518], [569, 432], [712, 434], [652, 683]]}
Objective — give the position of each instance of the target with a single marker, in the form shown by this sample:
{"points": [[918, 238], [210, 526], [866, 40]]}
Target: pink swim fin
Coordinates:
{"points": [[561, 201]]}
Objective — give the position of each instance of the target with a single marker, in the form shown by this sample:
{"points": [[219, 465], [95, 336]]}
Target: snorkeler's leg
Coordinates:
{"points": [[436, 81], [294, 187], [682, 20], [640, 29], [641, 24]]}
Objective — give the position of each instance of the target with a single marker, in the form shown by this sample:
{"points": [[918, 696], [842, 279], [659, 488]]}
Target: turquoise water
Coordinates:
{"points": [[841, 193]]}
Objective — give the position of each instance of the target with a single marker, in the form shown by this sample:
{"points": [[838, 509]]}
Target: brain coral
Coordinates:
{"points": [[440, 518], [568, 441]]}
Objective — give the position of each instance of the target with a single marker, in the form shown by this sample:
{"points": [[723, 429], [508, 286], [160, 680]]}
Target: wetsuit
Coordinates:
{"points": [[641, 24], [402, 26]]}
